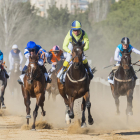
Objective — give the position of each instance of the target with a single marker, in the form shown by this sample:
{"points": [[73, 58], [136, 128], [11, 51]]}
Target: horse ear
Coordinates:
{"points": [[130, 51], [73, 44], [83, 45]]}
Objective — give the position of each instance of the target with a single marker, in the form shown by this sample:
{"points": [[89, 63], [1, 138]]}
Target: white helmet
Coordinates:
{"points": [[15, 47]]}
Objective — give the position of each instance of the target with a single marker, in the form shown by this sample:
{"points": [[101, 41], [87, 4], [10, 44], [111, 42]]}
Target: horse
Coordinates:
{"points": [[3, 84], [13, 77], [34, 87], [124, 82], [52, 87], [76, 86]]}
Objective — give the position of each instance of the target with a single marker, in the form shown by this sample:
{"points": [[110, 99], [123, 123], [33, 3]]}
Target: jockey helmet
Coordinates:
{"points": [[76, 25], [31, 45], [125, 41], [56, 48], [1, 55], [14, 47]]}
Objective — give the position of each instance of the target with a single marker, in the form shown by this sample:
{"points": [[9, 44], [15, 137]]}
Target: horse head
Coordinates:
{"points": [[32, 68], [126, 59], [77, 53]]}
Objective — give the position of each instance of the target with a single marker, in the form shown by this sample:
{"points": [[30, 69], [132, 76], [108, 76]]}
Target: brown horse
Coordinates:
{"points": [[76, 86], [34, 87], [3, 85], [124, 82], [52, 87]]}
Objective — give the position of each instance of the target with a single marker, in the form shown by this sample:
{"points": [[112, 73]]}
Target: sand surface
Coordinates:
{"points": [[107, 125]]}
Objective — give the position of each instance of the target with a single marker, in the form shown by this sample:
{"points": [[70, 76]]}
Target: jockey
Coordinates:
{"points": [[125, 45], [15, 55], [55, 54], [74, 35], [30, 50], [1, 61]]}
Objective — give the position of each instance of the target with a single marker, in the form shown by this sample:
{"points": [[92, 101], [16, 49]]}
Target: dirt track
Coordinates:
{"points": [[107, 126]]}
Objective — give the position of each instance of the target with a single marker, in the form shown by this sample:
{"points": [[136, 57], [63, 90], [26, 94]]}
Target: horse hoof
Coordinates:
{"points": [[129, 113], [3, 107], [67, 119], [83, 125], [43, 113], [118, 113], [28, 116], [33, 129], [71, 115], [90, 121]]}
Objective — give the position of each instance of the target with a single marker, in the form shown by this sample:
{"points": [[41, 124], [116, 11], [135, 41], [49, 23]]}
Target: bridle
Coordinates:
{"points": [[35, 75]]}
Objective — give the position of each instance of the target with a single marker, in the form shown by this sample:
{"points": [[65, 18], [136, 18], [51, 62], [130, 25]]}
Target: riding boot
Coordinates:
{"points": [[22, 75], [111, 75], [6, 74], [48, 80], [89, 70], [62, 74], [133, 73]]}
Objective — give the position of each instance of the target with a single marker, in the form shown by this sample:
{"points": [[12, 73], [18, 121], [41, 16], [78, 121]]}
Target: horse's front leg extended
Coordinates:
{"points": [[27, 104], [129, 102], [71, 103], [117, 102], [83, 108], [88, 104], [35, 115], [41, 103]]}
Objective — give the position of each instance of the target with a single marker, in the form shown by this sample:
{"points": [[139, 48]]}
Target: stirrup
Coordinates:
{"points": [[20, 82], [49, 80]]}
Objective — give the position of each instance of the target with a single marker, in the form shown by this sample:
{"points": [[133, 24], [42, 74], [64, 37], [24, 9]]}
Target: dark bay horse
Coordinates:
{"points": [[124, 82], [76, 86], [34, 87], [52, 87], [3, 84]]}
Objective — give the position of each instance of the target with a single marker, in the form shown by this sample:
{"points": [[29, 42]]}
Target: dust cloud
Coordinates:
{"points": [[103, 111]]}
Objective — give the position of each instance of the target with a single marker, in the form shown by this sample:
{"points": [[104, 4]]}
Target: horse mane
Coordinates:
{"points": [[125, 51]]}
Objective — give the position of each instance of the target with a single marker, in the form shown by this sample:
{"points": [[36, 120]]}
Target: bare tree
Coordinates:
{"points": [[13, 22], [99, 10]]}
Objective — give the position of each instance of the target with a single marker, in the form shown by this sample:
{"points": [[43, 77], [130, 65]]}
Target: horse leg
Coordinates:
{"points": [[88, 104], [53, 95], [4, 84], [129, 102], [27, 104], [35, 115], [71, 103], [41, 103], [117, 102], [83, 108]]}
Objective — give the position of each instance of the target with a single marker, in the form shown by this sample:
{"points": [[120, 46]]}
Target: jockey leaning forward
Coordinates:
{"points": [[55, 54], [32, 49], [15, 55], [125, 45], [2, 67], [74, 35]]}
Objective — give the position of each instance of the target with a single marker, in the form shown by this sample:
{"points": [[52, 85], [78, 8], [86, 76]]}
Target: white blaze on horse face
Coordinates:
{"points": [[77, 49], [32, 66]]}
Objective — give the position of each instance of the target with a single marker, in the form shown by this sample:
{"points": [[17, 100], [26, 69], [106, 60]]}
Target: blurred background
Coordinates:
{"points": [[47, 22]]}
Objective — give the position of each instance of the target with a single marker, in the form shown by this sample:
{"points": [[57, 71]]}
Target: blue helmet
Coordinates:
{"points": [[31, 45], [1, 55], [76, 25]]}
